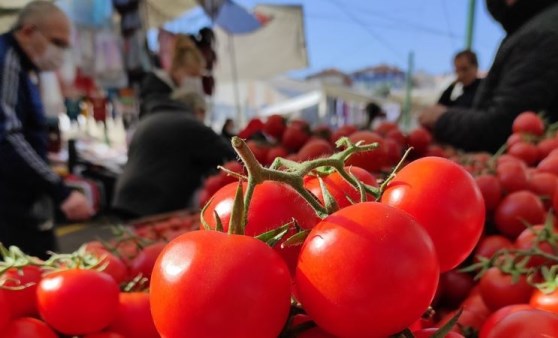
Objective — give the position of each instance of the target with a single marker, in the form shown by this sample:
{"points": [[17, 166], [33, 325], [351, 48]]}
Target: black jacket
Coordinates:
{"points": [[169, 155], [524, 76], [155, 96], [25, 175], [465, 100]]}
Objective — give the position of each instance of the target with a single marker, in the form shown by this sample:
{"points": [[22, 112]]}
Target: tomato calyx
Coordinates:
{"points": [[515, 262], [14, 258]]}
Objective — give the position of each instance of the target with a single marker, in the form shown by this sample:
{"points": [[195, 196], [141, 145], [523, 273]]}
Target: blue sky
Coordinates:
{"points": [[352, 34]]}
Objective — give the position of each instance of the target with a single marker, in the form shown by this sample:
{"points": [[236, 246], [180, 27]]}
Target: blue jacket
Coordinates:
{"points": [[25, 175]]}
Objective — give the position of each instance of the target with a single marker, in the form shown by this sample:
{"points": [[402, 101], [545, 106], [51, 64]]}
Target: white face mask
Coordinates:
{"points": [[192, 84], [51, 59]]}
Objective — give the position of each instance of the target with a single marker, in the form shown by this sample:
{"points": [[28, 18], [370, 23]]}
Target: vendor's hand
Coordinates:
{"points": [[430, 115], [76, 207]]}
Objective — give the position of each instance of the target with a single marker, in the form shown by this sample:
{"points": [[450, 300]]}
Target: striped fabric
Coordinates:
{"points": [[22, 125]]}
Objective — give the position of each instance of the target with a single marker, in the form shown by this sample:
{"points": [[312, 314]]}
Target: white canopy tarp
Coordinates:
{"points": [[315, 97], [279, 46], [158, 12]]}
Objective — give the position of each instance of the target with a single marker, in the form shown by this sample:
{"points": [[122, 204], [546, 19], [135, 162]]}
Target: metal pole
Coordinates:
{"points": [[406, 113], [234, 73], [470, 24]]}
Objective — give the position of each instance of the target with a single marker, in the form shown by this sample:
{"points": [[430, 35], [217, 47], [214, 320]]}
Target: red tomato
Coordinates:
{"points": [[397, 136], [345, 130], [26, 327], [527, 239], [372, 160], [273, 205], [497, 316], [419, 139], [516, 208], [526, 152], [275, 152], [295, 137], [241, 286], [385, 127], [315, 148], [436, 150], [145, 260], [528, 122], [77, 302], [133, 317], [546, 146], [115, 267], [23, 303], [259, 150], [512, 176], [5, 311], [453, 217], [543, 301], [526, 324], [339, 189], [393, 150], [348, 301], [454, 287], [549, 165], [514, 139], [427, 333], [489, 245], [275, 126], [490, 189], [498, 290], [543, 184]]}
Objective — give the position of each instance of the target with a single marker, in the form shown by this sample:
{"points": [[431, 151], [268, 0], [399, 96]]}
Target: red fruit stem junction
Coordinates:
{"points": [[515, 262], [292, 173]]}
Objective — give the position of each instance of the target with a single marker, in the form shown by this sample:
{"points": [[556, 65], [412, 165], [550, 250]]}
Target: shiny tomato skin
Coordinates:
{"points": [[543, 301], [212, 284], [527, 152], [445, 200], [27, 327], [133, 318], [497, 316], [23, 303], [498, 289], [348, 301], [77, 302], [273, 205], [517, 208], [5, 311], [526, 324], [339, 189], [549, 165]]}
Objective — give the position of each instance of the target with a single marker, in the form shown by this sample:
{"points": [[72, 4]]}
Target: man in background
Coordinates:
{"points": [[524, 76], [462, 91], [29, 189]]}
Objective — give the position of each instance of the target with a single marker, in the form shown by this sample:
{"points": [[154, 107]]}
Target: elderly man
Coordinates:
{"points": [[28, 187], [524, 76]]}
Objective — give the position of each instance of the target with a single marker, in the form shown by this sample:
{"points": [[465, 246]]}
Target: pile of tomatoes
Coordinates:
{"points": [[385, 261]]}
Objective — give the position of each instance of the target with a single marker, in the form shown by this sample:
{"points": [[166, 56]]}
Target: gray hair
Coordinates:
{"points": [[190, 99], [35, 12]]}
